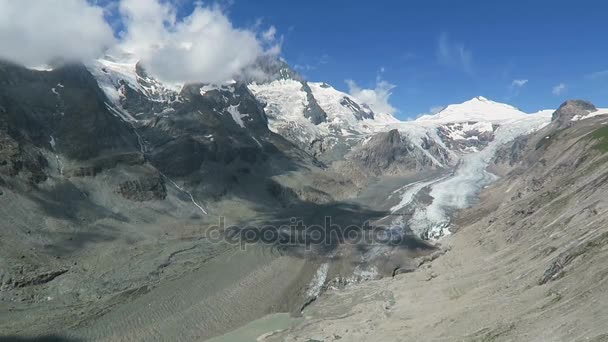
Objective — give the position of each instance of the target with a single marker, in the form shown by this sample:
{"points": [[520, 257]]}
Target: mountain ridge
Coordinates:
{"points": [[476, 109], [96, 163]]}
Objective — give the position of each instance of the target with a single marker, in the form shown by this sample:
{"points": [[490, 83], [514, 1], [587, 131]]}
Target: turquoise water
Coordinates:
{"points": [[255, 329]]}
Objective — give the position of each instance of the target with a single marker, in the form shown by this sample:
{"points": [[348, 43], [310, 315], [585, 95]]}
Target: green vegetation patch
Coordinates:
{"points": [[601, 135]]}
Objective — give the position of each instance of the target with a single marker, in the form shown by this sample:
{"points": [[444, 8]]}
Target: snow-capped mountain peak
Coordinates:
{"points": [[315, 115], [474, 110]]}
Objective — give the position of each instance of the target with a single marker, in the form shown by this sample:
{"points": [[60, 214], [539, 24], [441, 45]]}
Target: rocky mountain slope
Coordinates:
{"points": [[459, 137], [526, 263], [329, 125], [314, 116], [103, 160]]}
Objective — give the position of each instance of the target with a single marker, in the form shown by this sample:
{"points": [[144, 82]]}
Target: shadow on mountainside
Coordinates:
{"points": [[319, 230]]}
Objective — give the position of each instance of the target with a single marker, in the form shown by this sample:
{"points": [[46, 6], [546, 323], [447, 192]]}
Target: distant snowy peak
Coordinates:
{"points": [[338, 105], [341, 107], [140, 99], [475, 110], [270, 68], [290, 101], [120, 79]]}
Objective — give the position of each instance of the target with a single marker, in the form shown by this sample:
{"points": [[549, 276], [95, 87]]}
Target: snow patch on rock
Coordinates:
{"points": [[237, 116], [598, 112]]}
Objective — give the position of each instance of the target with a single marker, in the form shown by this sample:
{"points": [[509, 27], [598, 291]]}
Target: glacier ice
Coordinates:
{"points": [[458, 191]]}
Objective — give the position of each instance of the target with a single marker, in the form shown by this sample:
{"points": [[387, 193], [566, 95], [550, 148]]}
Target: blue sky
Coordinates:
{"points": [[486, 45], [531, 54]]}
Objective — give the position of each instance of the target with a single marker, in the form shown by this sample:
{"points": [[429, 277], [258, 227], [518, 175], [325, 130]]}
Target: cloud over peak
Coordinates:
{"points": [[377, 99], [519, 83], [202, 46], [559, 89], [38, 32], [602, 74]]}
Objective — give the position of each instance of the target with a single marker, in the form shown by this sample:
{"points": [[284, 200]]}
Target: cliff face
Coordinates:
{"points": [[569, 110], [392, 153]]}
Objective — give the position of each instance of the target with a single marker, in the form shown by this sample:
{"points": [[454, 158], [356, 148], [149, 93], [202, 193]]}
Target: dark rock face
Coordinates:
{"points": [[37, 279], [284, 195], [203, 129], [313, 111], [190, 135], [203, 136], [147, 188], [270, 68], [359, 113], [179, 157], [92, 167], [65, 104], [392, 153], [218, 106], [470, 138], [16, 159], [571, 108], [512, 153]]}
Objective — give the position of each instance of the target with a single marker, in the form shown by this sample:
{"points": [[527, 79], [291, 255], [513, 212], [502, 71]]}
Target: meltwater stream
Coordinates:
{"points": [[459, 190]]}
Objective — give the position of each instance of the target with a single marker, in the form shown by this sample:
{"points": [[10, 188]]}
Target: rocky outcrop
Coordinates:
{"points": [[466, 137], [37, 279], [64, 106], [562, 117], [512, 153], [146, 188], [313, 111], [285, 195], [92, 167], [359, 113], [562, 263], [392, 153], [16, 159]]}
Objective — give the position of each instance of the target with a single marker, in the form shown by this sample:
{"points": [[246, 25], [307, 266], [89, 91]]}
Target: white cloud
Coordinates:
{"points": [[454, 54], [304, 67], [559, 89], [270, 34], [597, 75], [515, 88], [519, 83], [377, 99], [317, 63], [37, 32], [432, 111], [203, 46], [324, 59]]}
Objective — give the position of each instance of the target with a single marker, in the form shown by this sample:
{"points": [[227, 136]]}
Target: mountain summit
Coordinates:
{"points": [[476, 109]]}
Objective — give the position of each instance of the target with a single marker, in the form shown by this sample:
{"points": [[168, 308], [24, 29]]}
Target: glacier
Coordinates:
{"points": [[459, 190]]}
